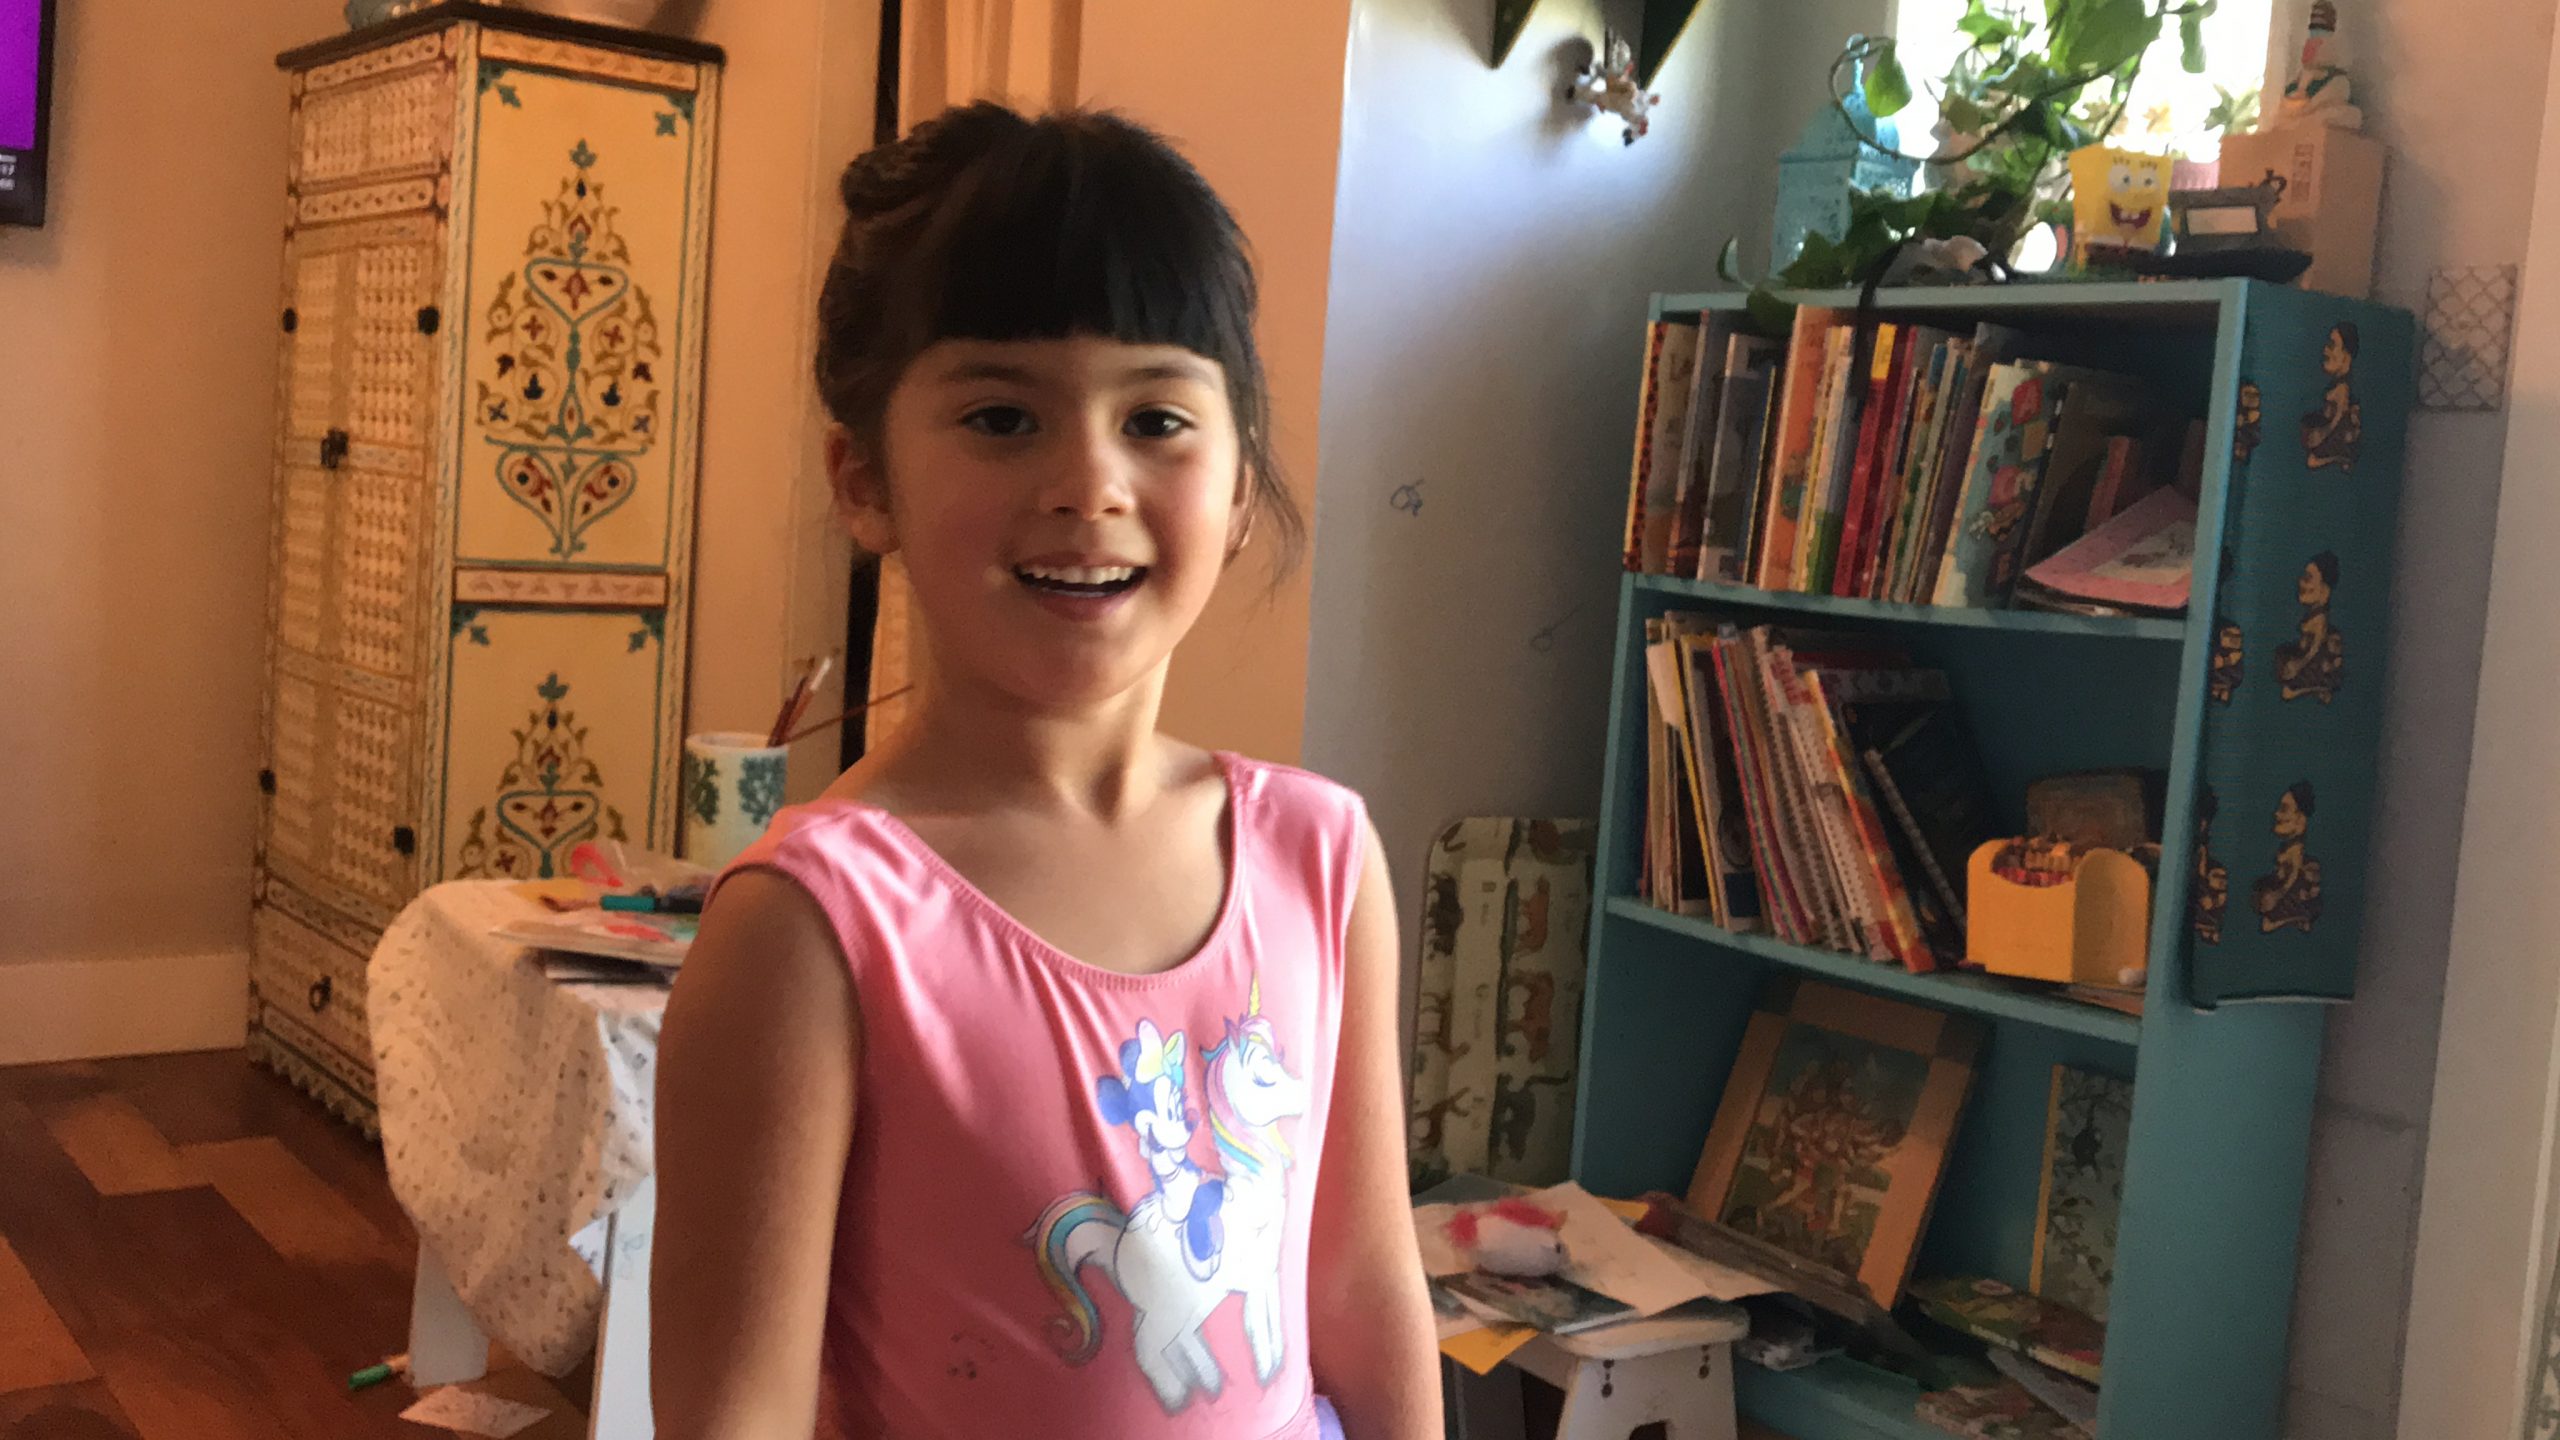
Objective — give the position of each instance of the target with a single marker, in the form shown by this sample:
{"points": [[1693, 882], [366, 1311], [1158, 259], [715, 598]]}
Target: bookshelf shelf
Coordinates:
{"points": [[1833, 607], [1834, 1397], [1947, 990], [2251, 706]]}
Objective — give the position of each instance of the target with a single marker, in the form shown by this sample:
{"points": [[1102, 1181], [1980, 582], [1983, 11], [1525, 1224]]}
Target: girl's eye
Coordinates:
{"points": [[1002, 422], [1157, 425]]}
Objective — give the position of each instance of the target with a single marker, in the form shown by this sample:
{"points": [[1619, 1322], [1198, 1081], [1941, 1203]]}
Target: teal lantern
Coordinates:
{"points": [[1828, 161]]}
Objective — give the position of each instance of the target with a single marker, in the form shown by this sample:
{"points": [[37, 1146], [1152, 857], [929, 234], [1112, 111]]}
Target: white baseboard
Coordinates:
{"points": [[133, 1005]]}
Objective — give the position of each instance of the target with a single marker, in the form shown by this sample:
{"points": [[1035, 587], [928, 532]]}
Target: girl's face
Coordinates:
{"points": [[1063, 507], [2333, 355]]}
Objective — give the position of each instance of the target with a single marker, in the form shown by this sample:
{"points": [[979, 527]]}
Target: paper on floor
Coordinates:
{"points": [[472, 1413]]}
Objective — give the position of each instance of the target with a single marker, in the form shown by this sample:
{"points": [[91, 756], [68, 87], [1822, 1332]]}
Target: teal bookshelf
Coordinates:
{"points": [[2224, 1071]]}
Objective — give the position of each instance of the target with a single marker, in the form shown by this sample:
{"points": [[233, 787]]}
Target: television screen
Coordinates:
{"points": [[26, 82]]}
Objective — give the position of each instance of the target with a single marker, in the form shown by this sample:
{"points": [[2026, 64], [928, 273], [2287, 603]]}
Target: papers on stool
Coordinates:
{"points": [[1603, 1253]]}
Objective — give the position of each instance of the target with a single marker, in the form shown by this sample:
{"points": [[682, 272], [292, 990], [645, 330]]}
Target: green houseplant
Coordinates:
{"points": [[2024, 93]]}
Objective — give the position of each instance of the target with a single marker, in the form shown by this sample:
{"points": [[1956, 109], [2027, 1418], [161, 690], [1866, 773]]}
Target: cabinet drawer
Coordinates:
{"points": [[307, 990], [389, 112]]}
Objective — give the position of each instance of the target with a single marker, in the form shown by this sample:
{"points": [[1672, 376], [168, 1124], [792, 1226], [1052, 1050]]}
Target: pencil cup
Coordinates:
{"points": [[732, 790]]}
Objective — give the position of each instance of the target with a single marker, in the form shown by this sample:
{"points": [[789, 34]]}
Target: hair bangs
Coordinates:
{"points": [[1122, 246]]}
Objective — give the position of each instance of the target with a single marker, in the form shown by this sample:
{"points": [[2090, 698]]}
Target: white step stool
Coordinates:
{"points": [[1675, 1370]]}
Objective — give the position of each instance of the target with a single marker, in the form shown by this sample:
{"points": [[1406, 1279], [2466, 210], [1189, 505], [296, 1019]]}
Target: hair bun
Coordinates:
{"points": [[890, 177]]}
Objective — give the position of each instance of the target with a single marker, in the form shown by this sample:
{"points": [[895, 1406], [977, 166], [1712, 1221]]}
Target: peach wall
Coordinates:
{"points": [[137, 349], [1253, 93], [137, 337], [770, 565]]}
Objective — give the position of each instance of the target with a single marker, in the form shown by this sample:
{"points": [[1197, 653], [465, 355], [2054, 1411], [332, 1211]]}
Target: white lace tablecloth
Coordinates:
{"points": [[516, 1113]]}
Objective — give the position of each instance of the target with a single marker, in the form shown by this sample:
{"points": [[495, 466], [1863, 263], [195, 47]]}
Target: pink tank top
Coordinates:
{"points": [[1077, 1201]]}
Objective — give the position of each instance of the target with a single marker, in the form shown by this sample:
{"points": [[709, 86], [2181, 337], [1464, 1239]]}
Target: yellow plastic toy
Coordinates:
{"points": [[2092, 929], [2119, 200]]}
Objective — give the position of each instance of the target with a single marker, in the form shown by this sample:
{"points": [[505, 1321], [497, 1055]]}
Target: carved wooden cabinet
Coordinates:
{"points": [[486, 439]]}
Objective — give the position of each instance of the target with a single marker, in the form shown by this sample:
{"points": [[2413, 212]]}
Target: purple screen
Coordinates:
{"points": [[19, 21]]}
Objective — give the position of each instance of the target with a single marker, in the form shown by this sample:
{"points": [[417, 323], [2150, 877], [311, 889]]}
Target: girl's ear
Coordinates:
{"points": [[1240, 528], [862, 492]]}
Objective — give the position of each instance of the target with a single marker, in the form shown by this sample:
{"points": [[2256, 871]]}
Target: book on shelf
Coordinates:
{"points": [[1934, 788], [1837, 411], [1686, 832], [1662, 416], [1772, 804], [1888, 410], [2139, 562], [1743, 412], [2045, 1331], [1696, 447], [1790, 448], [1884, 460], [2094, 410]]}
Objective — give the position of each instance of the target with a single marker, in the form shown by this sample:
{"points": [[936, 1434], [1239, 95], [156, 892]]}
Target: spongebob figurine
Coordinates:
{"points": [[2119, 201]]}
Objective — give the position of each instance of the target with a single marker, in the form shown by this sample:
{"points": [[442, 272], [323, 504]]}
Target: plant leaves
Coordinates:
{"points": [[2191, 42], [1888, 89], [1729, 261], [2101, 35], [1772, 316], [1983, 26]]}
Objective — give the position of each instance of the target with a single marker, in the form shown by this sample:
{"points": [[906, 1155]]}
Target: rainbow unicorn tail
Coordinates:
{"points": [[1066, 1241]]}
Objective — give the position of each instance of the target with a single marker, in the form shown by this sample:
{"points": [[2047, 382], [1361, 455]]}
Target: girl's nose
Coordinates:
{"points": [[1091, 476]]}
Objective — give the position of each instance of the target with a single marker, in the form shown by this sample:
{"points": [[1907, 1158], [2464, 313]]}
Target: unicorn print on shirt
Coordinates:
{"points": [[1194, 1239]]}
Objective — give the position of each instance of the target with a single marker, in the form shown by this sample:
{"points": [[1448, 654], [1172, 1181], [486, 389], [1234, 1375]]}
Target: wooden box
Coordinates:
{"points": [[2332, 197], [488, 405]]}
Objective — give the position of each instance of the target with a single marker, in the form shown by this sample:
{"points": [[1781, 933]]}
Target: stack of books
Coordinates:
{"points": [[1813, 785], [1903, 462]]}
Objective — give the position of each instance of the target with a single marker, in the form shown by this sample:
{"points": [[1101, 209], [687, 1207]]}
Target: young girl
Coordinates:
{"points": [[1041, 1079]]}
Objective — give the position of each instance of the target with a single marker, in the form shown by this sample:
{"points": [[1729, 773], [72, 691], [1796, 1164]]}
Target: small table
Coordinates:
{"points": [[517, 1127], [1675, 1369]]}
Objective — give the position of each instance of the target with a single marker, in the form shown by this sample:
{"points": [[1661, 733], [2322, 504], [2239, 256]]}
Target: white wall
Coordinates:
{"points": [[2486, 1164], [2460, 104], [1491, 264], [1489, 279]]}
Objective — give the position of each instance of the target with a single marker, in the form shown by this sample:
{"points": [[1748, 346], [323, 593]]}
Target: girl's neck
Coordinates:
{"points": [[964, 750]]}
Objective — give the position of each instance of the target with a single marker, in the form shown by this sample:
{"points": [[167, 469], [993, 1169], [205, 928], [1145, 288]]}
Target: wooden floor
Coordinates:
{"points": [[192, 1250]]}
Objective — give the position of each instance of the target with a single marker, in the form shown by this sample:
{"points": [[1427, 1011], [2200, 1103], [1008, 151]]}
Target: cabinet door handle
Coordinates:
{"points": [[291, 319], [333, 449], [404, 840], [267, 782], [319, 996], [429, 319]]}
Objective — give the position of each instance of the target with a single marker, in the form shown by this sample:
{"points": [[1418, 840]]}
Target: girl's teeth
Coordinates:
{"points": [[1080, 574]]}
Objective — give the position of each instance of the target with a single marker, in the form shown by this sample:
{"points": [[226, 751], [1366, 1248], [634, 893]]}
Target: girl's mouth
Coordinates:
{"points": [[1081, 582]]}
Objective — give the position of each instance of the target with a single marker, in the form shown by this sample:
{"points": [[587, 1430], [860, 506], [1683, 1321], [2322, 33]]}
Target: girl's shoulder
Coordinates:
{"points": [[1272, 783]]}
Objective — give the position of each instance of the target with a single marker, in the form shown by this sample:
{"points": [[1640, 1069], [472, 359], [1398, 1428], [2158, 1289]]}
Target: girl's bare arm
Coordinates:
{"points": [[755, 1115], [1368, 1311]]}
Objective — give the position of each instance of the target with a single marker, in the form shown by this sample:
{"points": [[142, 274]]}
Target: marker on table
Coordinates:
{"points": [[372, 1375]]}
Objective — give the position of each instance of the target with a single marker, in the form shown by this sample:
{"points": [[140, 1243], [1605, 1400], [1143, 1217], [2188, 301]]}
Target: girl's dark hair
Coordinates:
{"points": [[984, 224], [2326, 562], [2345, 330], [2300, 790]]}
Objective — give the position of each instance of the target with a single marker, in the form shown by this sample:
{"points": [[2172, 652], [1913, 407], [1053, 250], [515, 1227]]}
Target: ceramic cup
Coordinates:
{"points": [[732, 790]]}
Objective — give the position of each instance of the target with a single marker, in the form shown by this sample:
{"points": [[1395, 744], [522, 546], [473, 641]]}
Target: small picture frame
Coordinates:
{"points": [[1834, 1128], [2228, 217]]}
